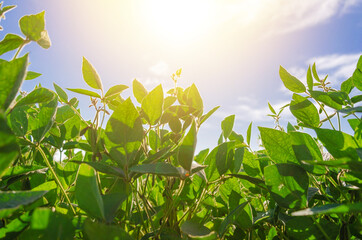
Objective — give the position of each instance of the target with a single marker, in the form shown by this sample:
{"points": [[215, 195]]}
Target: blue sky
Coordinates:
{"points": [[230, 49]]}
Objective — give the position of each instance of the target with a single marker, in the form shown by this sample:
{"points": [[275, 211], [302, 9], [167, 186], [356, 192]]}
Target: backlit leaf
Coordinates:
{"points": [[90, 75], [291, 82]]}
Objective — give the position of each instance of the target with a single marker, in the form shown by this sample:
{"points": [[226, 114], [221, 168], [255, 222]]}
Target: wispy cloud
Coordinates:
{"points": [[160, 69], [283, 16]]}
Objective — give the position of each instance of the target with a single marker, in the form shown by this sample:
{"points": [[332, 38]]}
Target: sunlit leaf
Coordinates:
{"points": [[90, 75], [291, 82], [32, 26]]}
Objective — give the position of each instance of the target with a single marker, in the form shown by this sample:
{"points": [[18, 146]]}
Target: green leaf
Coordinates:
{"points": [[139, 91], [104, 168], [46, 224], [291, 82], [227, 125], [309, 79], [14, 199], [230, 218], [315, 74], [90, 75], [32, 75], [117, 89], [11, 78], [345, 163], [308, 228], [61, 93], [9, 149], [84, 92], [330, 209], [161, 168], [32, 26], [187, 148], [251, 164], [111, 203], [15, 227], [325, 98], [38, 95], [152, 105], [207, 115], [87, 192], [278, 145], [357, 75], [351, 110], [260, 183], [194, 99], [271, 108], [194, 229], [304, 111], [347, 85], [10, 42], [288, 184], [124, 133], [43, 121], [96, 231], [219, 160], [248, 133], [339, 144], [44, 41]]}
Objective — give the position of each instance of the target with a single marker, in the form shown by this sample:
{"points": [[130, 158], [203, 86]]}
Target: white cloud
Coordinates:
{"points": [[160, 69], [282, 16]]}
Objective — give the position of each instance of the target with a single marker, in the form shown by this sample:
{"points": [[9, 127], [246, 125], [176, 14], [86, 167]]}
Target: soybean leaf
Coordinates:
{"points": [[38, 95], [117, 89], [230, 218], [9, 149], [253, 180], [49, 224], [219, 160], [194, 99], [187, 148], [44, 40], [338, 143], [11, 78], [43, 121], [346, 163], [194, 229], [271, 108], [15, 227], [227, 125], [15, 199], [124, 133], [351, 110], [357, 75], [111, 203], [152, 105], [248, 133], [90, 75], [61, 93], [304, 111], [278, 145], [84, 92], [315, 74], [95, 231], [87, 192], [309, 79], [291, 82], [161, 168], [139, 91], [251, 164], [308, 228], [32, 75], [104, 168], [10, 42], [207, 115], [330, 209], [325, 98], [288, 184], [32, 25], [347, 85]]}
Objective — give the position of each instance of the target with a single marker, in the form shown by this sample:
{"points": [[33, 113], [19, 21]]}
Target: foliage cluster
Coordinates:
{"points": [[136, 175]]}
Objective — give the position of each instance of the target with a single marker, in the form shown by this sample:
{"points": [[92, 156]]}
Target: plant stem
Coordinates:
{"points": [[26, 41], [56, 178]]}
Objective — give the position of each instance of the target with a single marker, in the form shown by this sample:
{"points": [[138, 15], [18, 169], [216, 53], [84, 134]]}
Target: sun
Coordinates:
{"points": [[178, 19]]}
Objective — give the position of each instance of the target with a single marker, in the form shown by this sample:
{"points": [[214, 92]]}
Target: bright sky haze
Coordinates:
{"points": [[230, 49]]}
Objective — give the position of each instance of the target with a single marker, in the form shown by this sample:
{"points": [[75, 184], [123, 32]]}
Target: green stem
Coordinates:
{"points": [[56, 178], [339, 122], [26, 41]]}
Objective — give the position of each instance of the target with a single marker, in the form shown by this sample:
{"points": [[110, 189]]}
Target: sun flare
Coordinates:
{"points": [[178, 20]]}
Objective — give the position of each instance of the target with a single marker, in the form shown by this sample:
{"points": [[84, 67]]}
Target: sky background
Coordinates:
{"points": [[230, 49]]}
